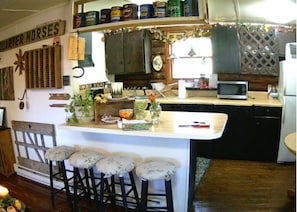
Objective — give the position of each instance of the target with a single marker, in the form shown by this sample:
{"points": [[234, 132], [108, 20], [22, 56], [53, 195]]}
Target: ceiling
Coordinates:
{"points": [[13, 10]]}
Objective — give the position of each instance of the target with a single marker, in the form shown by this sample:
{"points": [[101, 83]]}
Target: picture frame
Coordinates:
{"points": [[2, 117]]}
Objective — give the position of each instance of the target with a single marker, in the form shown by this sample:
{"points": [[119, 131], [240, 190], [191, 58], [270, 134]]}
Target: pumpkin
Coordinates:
{"points": [[126, 113]]}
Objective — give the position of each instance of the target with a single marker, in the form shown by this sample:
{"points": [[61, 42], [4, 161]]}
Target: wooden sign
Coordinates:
{"points": [[76, 48], [42, 32]]}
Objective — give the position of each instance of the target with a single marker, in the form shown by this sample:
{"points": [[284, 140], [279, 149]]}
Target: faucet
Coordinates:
{"points": [[144, 90]]}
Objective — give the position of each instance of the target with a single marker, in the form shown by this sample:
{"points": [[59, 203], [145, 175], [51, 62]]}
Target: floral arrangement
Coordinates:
{"points": [[10, 204], [152, 97], [155, 108]]}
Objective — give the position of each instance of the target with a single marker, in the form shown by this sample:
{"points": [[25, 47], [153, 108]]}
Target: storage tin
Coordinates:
{"points": [[190, 8], [92, 18], [146, 11], [130, 12], [116, 14], [79, 20], [159, 9], [174, 8], [105, 16]]}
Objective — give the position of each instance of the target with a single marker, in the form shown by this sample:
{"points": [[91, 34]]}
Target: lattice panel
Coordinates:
{"points": [[258, 50], [43, 67]]}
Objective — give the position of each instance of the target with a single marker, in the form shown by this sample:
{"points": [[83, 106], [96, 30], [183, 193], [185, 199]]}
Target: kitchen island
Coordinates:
{"points": [[165, 140]]}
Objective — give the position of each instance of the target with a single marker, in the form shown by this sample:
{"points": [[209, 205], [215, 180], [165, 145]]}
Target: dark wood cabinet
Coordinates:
{"points": [[266, 134], [251, 133], [7, 158], [128, 52]]}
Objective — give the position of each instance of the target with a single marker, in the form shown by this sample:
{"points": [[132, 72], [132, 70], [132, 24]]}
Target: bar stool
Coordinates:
{"points": [[85, 161], [156, 170], [59, 154], [118, 166]]}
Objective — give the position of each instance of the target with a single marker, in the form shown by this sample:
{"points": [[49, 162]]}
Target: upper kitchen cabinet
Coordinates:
{"points": [[225, 50], [128, 52], [83, 6]]}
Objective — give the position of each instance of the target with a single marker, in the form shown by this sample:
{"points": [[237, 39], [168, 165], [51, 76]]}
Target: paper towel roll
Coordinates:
{"points": [[182, 92]]}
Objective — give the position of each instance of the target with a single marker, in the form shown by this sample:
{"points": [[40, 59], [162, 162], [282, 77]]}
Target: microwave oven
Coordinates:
{"points": [[232, 90]]}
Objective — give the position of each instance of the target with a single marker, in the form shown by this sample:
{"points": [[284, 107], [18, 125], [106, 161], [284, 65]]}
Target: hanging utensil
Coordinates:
{"points": [[22, 104]]}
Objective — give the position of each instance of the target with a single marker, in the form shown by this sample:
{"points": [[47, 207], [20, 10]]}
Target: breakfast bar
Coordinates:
{"points": [[170, 139]]}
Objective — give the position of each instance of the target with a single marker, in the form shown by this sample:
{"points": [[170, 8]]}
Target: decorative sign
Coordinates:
{"points": [[6, 83], [42, 32]]}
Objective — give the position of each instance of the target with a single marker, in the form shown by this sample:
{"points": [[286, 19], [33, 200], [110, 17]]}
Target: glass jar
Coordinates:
{"points": [[140, 109], [155, 112]]}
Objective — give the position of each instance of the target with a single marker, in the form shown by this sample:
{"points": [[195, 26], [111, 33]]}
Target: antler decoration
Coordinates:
{"points": [[20, 64]]}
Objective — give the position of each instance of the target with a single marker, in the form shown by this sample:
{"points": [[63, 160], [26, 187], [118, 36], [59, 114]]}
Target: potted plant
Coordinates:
{"points": [[81, 107]]}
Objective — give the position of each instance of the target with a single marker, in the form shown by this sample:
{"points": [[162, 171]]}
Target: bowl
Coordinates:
{"points": [[126, 113]]}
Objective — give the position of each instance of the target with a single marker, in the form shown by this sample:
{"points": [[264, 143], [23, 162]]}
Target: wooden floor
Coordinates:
{"points": [[226, 186], [246, 186]]}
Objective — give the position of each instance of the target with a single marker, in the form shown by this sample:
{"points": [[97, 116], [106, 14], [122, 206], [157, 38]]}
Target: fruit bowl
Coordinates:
{"points": [[126, 113]]}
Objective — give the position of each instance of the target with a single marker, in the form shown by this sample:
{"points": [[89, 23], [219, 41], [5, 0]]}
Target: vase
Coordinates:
{"points": [[155, 112]]}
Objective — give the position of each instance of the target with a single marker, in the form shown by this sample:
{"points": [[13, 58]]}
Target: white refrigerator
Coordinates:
{"points": [[287, 95]]}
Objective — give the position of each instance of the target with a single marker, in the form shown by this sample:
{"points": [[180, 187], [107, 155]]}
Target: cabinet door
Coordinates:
{"points": [[266, 134], [225, 50], [114, 55], [134, 52], [237, 135]]}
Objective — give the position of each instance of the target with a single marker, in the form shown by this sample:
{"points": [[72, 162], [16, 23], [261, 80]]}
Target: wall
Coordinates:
{"points": [[37, 101]]}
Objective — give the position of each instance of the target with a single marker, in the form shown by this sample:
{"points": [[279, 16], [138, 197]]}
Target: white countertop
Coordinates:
{"points": [[167, 128]]}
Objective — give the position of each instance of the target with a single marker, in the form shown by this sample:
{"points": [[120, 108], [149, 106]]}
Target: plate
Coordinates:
{"points": [[157, 63], [110, 120]]}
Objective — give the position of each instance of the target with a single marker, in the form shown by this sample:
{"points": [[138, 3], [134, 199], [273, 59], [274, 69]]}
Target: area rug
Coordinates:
{"points": [[202, 165]]}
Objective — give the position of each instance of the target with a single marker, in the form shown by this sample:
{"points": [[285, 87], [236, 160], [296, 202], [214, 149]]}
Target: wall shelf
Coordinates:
{"points": [[143, 23]]}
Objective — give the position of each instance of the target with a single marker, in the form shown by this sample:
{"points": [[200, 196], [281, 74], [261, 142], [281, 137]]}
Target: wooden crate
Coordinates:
{"points": [[112, 108]]}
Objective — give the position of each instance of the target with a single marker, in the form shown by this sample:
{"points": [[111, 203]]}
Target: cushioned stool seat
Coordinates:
{"points": [[59, 154], [118, 166], [156, 170], [85, 160]]}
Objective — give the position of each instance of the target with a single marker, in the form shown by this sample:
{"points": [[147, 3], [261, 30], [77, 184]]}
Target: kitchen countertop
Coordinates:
{"points": [[167, 128], [255, 99]]}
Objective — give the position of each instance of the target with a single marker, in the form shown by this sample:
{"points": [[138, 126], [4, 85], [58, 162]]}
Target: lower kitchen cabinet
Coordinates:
{"points": [[7, 158], [266, 134], [251, 133]]}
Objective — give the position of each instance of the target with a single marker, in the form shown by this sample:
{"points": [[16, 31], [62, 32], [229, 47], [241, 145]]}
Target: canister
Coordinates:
{"points": [[79, 20], [92, 18], [190, 8], [105, 16], [159, 9], [173, 8], [146, 11], [130, 12], [116, 14]]}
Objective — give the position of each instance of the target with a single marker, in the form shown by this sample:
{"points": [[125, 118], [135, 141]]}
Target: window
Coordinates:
{"points": [[191, 58]]}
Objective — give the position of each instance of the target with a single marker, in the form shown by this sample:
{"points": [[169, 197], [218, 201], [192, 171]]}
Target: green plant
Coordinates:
{"points": [[81, 106]]}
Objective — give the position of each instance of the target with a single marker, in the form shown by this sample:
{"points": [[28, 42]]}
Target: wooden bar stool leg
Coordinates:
{"points": [[101, 196], [52, 182], [134, 187], [75, 199], [66, 183], [122, 183], [144, 191], [169, 198], [94, 189]]}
